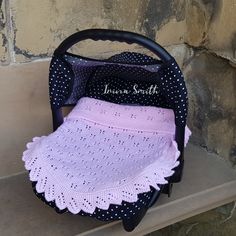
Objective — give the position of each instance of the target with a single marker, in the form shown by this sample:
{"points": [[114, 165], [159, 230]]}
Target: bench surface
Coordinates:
{"points": [[208, 182]]}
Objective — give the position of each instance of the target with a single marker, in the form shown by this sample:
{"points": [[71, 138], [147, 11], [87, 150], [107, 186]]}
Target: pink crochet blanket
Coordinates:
{"points": [[102, 154]]}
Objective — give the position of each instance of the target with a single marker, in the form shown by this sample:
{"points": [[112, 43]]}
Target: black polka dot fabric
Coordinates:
{"points": [[164, 88], [133, 58], [142, 92], [148, 82], [61, 78], [173, 86], [115, 212], [126, 78]]}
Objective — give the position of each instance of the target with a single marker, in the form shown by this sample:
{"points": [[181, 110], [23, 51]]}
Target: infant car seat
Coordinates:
{"points": [[126, 80]]}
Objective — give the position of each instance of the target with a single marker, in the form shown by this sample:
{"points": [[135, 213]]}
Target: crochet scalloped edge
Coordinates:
{"points": [[83, 201]]}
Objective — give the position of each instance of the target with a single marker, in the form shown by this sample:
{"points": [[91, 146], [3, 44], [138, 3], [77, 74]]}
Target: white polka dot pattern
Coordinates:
{"points": [[174, 90], [61, 78], [72, 77]]}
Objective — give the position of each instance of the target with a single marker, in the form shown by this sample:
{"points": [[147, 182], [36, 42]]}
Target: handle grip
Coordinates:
{"points": [[113, 35]]}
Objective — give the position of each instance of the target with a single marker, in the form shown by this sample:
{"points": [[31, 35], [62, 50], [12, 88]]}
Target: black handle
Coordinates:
{"points": [[113, 35]]}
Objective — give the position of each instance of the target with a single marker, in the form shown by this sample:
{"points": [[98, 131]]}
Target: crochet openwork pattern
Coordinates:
{"points": [[102, 154]]}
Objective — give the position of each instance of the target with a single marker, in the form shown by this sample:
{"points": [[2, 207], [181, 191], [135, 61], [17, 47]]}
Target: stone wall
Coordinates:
{"points": [[217, 222], [211, 74], [201, 34]]}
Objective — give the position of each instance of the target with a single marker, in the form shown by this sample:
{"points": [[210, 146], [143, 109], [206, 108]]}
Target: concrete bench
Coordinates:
{"points": [[208, 182]]}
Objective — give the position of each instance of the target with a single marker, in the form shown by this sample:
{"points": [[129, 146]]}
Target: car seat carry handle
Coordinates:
{"points": [[113, 35]]}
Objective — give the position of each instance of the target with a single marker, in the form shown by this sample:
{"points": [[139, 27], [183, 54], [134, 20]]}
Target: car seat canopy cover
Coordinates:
{"points": [[72, 77]]}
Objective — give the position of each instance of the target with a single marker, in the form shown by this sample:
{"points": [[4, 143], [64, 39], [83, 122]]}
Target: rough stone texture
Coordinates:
{"points": [[164, 21], [197, 16], [4, 58], [217, 222], [184, 27], [199, 23], [222, 30], [181, 53], [211, 24], [200, 34], [211, 84], [211, 74], [37, 28], [62, 18]]}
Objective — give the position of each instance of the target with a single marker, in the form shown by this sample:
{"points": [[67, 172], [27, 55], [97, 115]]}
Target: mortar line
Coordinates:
{"points": [[13, 175], [9, 31]]}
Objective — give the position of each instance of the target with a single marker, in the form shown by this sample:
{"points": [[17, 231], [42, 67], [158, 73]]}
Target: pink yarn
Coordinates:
{"points": [[102, 154]]}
